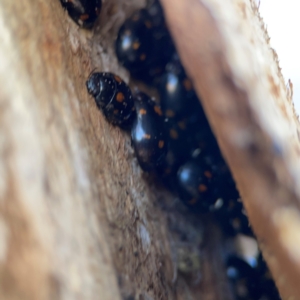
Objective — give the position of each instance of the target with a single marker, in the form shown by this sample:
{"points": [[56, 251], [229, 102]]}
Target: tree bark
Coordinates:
{"points": [[78, 218], [236, 72]]}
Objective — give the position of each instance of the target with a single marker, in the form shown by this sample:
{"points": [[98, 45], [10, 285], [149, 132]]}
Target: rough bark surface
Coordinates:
{"points": [[225, 48], [78, 218]]}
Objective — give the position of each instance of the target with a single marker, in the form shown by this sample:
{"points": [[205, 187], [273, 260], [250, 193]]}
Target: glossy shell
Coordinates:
{"points": [[243, 278], [83, 12], [135, 43], [196, 185], [148, 136], [144, 45], [112, 96], [176, 90]]}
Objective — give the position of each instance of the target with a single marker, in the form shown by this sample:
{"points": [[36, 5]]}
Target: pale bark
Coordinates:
{"points": [[225, 48]]}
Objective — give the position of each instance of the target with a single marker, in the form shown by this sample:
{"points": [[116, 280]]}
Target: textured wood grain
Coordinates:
{"points": [[78, 218], [225, 48]]}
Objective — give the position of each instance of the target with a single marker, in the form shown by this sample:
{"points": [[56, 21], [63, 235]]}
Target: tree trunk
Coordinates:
{"points": [[78, 218]]}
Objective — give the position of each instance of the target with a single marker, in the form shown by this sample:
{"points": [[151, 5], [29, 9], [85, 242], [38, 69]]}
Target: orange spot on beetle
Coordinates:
{"points": [[120, 97], [84, 17], [147, 136], [187, 84], [170, 113], [157, 110], [143, 56], [202, 188], [182, 125], [173, 134], [136, 45], [208, 174], [236, 223], [161, 144], [142, 111], [192, 201], [148, 24]]}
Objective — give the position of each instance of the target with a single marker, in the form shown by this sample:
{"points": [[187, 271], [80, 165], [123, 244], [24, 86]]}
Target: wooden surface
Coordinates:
{"points": [[78, 218], [225, 49]]}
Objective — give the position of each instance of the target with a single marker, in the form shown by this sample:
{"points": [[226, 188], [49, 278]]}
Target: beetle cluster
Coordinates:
{"points": [[172, 137], [83, 12]]}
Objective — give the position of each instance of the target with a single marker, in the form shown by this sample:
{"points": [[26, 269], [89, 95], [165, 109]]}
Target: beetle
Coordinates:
{"points": [[148, 136], [196, 184], [83, 12], [113, 97], [144, 45]]}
